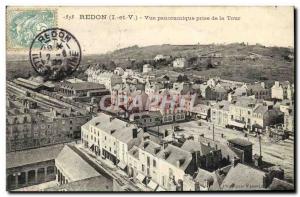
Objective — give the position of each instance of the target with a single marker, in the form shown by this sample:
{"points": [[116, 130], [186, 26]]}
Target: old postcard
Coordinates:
{"points": [[150, 99]]}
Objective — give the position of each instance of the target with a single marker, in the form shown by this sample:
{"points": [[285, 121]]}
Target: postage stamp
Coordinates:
{"points": [[55, 53], [24, 24]]}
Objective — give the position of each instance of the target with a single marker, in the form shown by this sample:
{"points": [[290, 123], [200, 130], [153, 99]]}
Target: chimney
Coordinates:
{"points": [[134, 133], [234, 162], [145, 144], [263, 85], [277, 83], [112, 131], [178, 163]]}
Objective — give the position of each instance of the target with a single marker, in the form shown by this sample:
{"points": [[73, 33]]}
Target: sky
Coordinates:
{"points": [[270, 26]]}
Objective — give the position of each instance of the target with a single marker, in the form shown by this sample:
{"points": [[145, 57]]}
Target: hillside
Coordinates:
{"points": [[236, 61]]}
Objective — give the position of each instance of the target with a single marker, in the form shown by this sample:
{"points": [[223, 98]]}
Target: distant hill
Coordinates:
{"points": [[237, 61]]}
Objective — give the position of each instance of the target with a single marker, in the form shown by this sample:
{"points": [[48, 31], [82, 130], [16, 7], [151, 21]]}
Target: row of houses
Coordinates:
{"points": [[246, 113], [217, 89], [29, 125], [172, 165]]}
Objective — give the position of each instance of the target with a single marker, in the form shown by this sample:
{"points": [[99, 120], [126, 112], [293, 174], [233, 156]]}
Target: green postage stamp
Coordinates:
{"points": [[24, 24]]}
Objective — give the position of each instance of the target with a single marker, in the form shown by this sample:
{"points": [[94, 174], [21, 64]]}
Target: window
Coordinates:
{"points": [[154, 163], [105, 138], [148, 161], [143, 167]]}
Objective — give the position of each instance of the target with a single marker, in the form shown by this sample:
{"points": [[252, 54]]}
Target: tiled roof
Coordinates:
{"points": [[204, 176], [243, 177], [113, 126], [244, 101], [174, 155], [226, 151], [134, 151], [192, 146], [74, 166], [224, 105], [150, 147], [27, 83], [261, 109], [32, 156], [82, 85]]}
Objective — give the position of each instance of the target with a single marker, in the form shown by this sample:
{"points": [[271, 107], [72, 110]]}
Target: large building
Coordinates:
{"points": [[31, 126], [220, 113], [108, 79], [81, 89], [31, 167], [249, 113], [110, 137]]}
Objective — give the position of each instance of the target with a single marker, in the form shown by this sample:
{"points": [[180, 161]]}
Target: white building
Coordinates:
{"points": [[109, 79], [282, 90], [179, 63], [110, 138], [147, 68]]}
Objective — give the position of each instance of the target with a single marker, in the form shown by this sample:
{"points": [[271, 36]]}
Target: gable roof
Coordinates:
{"points": [[175, 155], [32, 156], [243, 177], [112, 126], [73, 165], [134, 151], [192, 146], [82, 85], [150, 147], [223, 105]]}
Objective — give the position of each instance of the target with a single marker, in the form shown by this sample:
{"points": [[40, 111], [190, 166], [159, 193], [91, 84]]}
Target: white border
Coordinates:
{"points": [[103, 3]]}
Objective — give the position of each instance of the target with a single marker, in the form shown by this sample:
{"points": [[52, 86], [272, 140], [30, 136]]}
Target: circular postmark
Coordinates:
{"points": [[55, 53]]}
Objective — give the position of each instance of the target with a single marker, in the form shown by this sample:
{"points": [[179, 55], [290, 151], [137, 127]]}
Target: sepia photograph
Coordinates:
{"points": [[150, 99]]}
